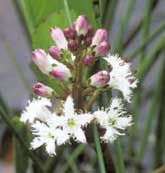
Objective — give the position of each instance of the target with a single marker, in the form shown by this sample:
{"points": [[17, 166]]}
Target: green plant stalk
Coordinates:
{"points": [[99, 151], [17, 65], [146, 25], [67, 12], [138, 26], [74, 156], [23, 8], [138, 94], [123, 24], [148, 123], [142, 72], [71, 162], [20, 155], [119, 158], [109, 13], [146, 42], [10, 124], [150, 59], [159, 145]]}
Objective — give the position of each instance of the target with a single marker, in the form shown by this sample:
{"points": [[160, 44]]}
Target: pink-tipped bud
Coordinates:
{"points": [[61, 72], [87, 41], [70, 33], [54, 52], [100, 36], [100, 79], [81, 25], [42, 90], [88, 59], [40, 58], [59, 38], [73, 45], [102, 49], [91, 30]]}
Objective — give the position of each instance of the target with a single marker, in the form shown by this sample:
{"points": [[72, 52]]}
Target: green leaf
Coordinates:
{"points": [[39, 10], [41, 37]]}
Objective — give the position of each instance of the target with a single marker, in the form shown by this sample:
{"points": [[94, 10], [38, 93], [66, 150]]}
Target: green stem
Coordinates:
{"points": [[88, 105], [149, 120], [123, 23], [74, 156], [17, 135], [119, 158], [159, 143], [99, 151], [28, 21], [146, 42], [137, 27], [150, 59], [139, 90], [19, 69], [109, 13], [67, 12]]}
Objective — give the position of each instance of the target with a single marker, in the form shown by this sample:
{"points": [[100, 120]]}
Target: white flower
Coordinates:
{"points": [[121, 76], [47, 135], [72, 122], [113, 119], [36, 109]]}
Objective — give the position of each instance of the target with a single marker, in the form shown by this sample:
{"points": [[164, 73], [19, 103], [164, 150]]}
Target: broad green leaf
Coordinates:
{"points": [[39, 10], [41, 37]]}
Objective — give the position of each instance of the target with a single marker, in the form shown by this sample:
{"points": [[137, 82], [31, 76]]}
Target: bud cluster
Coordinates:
{"points": [[67, 63]]}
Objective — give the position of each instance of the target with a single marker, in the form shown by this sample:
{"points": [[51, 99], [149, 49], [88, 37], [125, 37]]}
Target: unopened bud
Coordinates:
{"points": [[91, 30], [70, 33], [81, 25], [59, 38], [40, 58], [88, 59], [42, 90], [87, 41], [61, 72], [73, 45], [54, 52], [102, 49], [100, 79], [100, 36]]}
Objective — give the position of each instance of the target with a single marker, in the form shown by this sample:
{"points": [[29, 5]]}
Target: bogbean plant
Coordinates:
{"points": [[76, 49]]}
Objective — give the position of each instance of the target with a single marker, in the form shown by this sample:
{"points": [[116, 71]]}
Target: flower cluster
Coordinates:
{"points": [[76, 49]]}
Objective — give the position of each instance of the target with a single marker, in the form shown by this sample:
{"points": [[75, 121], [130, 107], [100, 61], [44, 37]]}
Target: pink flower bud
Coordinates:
{"points": [[54, 52], [40, 58], [91, 30], [88, 59], [87, 41], [100, 79], [42, 90], [102, 49], [61, 72], [81, 25], [70, 33], [100, 36], [59, 38], [73, 45]]}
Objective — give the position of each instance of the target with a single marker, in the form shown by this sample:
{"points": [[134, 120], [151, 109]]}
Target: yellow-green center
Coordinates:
{"points": [[111, 122], [71, 122], [50, 135]]}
